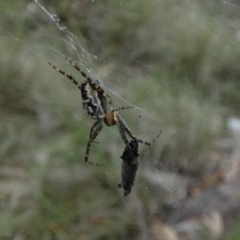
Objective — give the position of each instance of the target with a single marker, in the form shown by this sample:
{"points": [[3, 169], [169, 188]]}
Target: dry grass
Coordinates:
{"points": [[170, 59]]}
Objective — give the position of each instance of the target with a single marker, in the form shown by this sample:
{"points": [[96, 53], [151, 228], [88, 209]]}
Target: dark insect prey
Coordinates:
{"points": [[130, 163]]}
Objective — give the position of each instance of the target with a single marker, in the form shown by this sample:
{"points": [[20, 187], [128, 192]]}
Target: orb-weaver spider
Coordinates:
{"points": [[99, 106]]}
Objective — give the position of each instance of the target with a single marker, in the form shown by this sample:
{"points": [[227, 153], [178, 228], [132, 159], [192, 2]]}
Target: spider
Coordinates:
{"points": [[130, 162], [99, 106]]}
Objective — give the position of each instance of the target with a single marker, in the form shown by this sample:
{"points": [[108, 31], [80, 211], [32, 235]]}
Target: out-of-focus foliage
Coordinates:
{"points": [[191, 87]]}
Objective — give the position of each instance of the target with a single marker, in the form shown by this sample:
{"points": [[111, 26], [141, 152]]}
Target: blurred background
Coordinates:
{"points": [[177, 63]]}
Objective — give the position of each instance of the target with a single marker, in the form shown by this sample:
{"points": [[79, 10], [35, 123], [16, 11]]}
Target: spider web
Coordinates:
{"points": [[195, 106], [42, 42], [45, 47], [87, 61]]}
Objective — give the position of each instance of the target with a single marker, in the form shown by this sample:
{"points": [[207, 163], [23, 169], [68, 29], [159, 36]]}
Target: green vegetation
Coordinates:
{"points": [[176, 59]]}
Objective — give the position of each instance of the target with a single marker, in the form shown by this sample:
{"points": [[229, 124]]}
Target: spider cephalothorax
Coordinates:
{"points": [[98, 105], [130, 163]]}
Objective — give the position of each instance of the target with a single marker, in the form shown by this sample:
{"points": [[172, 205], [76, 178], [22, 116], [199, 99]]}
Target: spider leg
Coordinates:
{"points": [[90, 81], [122, 133], [97, 127], [119, 123], [92, 128], [125, 140], [122, 124], [70, 77], [122, 108]]}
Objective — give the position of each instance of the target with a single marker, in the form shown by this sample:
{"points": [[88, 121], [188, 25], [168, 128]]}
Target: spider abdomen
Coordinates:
{"points": [[91, 101]]}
